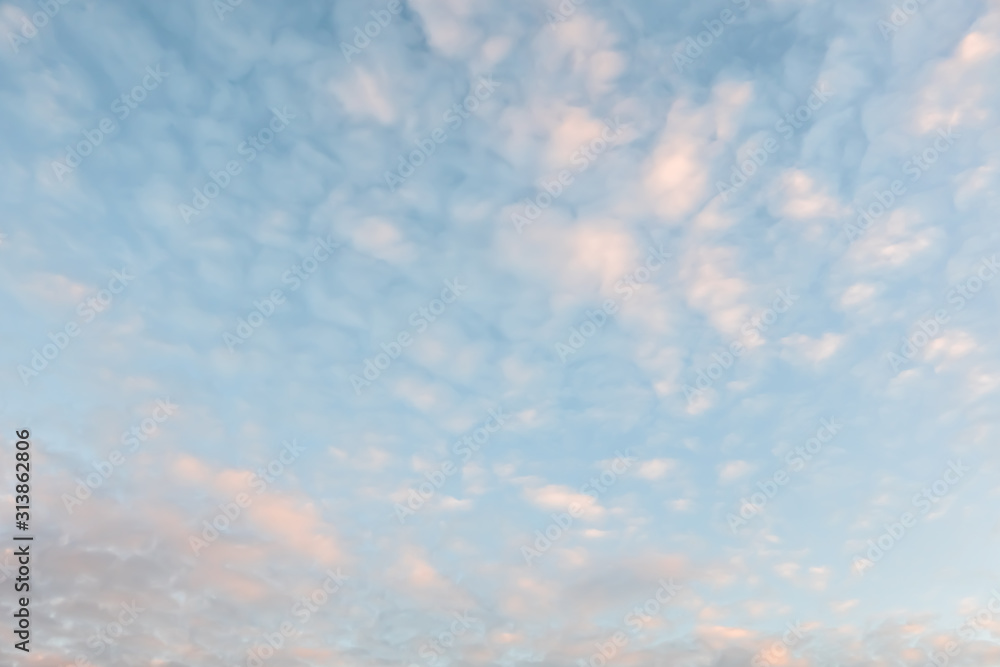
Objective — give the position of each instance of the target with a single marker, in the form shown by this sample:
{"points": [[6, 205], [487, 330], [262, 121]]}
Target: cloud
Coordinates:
{"points": [[730, 471], [656, 468], [698, 460]]}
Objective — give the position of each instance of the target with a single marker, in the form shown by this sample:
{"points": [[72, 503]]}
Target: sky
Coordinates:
{"points": [[462, 332]]}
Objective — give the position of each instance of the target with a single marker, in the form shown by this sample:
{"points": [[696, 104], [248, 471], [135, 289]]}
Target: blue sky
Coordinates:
{"points": [[386, 304]]}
